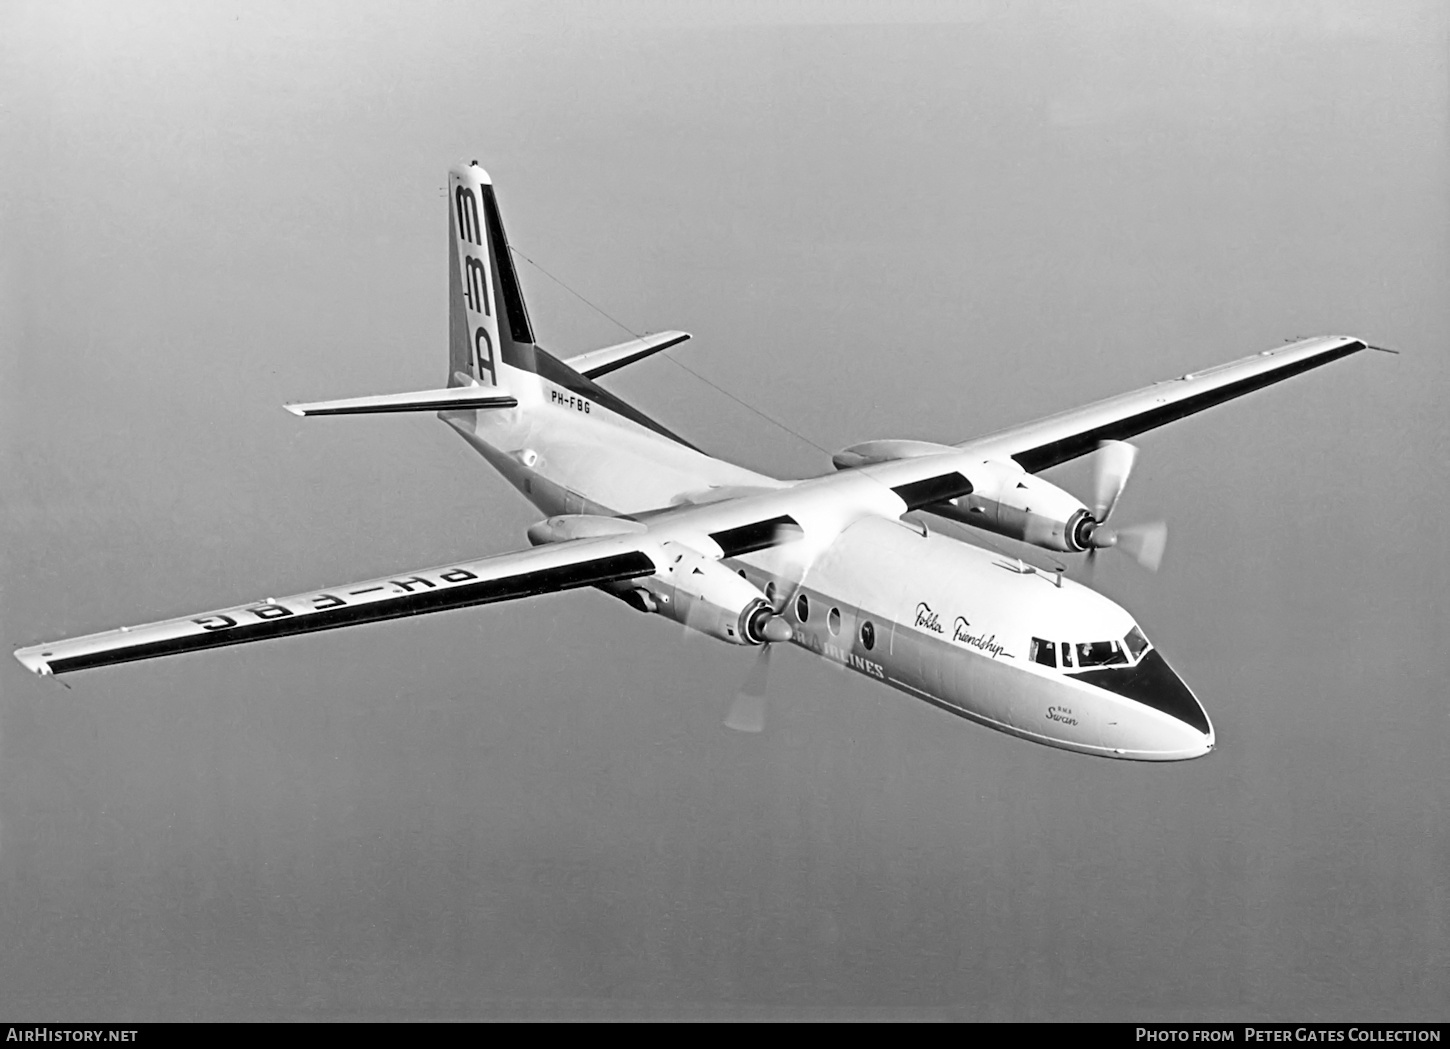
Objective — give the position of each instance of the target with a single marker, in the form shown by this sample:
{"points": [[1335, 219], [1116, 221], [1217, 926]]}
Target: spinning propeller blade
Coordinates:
{"points": [[792, 560], [1144, 543], [747, 713], [1112, 468]]}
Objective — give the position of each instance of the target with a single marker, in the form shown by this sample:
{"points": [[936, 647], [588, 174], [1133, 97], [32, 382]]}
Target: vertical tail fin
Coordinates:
{"points": [[488, 325]]}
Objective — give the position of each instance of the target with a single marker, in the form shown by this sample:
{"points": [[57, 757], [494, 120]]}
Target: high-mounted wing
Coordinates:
{"points": [[1058, 438], [559, 566]]}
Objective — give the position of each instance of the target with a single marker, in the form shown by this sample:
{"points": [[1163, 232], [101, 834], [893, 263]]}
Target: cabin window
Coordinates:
{"points": [[868, 635], [1044, 652], [1099, 654], [833, 621], [1136, 643], [802, 608]]}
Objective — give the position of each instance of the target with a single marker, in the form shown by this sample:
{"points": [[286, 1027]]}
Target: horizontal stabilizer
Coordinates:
{"points": [[453, 398], [611, 358]]}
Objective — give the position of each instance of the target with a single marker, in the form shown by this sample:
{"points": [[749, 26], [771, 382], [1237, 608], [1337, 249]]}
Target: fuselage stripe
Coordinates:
{"points": [[758, 535], [929, 490], [559, 373]]}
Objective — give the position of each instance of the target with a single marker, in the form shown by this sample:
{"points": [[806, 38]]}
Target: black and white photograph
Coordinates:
{"points": [[725, 511]]}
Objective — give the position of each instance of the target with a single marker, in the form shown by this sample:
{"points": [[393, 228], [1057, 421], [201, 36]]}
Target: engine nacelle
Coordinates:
{"points": [[691, 589], [886, 451], [1009, 501], [706, 596], [564, 527]]}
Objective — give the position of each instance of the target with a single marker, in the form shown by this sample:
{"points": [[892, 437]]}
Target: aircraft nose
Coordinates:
{"points": [[1164, 690], [1153, 683]]}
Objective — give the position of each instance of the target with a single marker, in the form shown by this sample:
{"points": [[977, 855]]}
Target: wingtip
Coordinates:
{"points": [[33, 660], [296, 409], [1363, 343]]}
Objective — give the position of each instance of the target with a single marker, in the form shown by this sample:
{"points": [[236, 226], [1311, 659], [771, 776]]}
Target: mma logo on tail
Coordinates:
{"points": [[467, 210], [490, 337], [475, 286], [473, 327]]}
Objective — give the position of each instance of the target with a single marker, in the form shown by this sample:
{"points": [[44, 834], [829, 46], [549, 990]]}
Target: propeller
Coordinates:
{"points": [[1144, 543], [787, 558], [747, 711]]}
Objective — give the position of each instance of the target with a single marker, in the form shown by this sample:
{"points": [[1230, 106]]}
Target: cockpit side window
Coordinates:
{"points": [[1066, 655], [1136, 643], [1044, 652]]}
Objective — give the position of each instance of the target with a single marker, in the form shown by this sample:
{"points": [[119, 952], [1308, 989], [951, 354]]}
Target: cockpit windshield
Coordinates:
{"points": [[1137, 644], [1100, 653], [1084, 655]]}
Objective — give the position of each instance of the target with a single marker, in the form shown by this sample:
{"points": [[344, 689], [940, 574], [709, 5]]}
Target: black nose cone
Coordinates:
{"points": [[1154, 684]]}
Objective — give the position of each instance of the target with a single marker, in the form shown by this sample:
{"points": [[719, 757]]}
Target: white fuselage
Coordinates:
{"points": [[955, 624]]}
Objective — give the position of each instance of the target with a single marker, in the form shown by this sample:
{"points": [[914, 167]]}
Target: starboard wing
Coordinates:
{"points": [[1067, 435]]}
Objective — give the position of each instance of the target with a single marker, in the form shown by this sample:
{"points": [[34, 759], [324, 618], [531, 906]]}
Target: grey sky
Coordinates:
{"points": [[878, 221]]}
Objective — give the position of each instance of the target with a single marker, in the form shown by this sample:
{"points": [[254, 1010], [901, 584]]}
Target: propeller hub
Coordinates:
{"points": [[763, 626], [777, 630], [1080, 529]]}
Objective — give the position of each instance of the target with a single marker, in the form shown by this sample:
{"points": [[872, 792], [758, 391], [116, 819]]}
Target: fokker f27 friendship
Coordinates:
{"points": [[830, 563]]}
